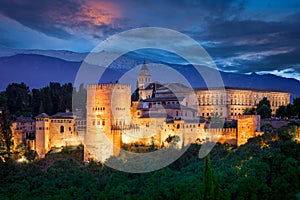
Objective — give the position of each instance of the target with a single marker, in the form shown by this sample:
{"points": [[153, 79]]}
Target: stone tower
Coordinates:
{"points": [[42, 137], [144, 77], [108, 109], [248, 127]]}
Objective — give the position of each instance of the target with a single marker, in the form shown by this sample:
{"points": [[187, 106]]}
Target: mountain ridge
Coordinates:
{"points": [[38, 70]]}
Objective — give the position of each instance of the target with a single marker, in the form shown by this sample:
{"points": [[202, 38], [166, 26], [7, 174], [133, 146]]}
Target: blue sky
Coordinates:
{"points": [[241, 36]]}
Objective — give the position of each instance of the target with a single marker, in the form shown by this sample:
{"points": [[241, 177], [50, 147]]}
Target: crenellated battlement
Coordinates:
{"points": [[105, 86], [246, 116], [220, 131]]}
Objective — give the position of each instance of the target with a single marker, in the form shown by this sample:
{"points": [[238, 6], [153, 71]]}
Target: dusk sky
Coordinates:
{"points": [[241, 36]]}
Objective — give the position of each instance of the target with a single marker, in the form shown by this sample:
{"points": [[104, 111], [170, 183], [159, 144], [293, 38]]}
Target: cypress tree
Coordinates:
{"points": [[5, 135], [208, 180]]}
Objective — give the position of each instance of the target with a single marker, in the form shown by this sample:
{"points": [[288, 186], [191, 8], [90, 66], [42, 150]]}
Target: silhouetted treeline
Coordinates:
{"points": [[20, 100]]}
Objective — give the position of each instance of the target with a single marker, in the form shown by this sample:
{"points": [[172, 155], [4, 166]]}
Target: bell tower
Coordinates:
{"points": [[144, 77]]}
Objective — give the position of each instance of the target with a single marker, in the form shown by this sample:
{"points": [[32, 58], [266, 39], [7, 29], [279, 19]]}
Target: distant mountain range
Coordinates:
{"points": [[38, 68]]}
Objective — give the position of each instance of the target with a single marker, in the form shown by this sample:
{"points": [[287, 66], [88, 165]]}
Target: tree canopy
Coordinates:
{"points": [[264, 108], [290, 110], [266, 167], [20, 101]]}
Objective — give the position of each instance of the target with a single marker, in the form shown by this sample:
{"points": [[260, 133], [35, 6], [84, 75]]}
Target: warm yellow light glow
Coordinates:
{"points": [[21, 160]]}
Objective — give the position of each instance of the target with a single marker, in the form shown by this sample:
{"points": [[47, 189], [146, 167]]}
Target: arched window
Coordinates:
{"points": [[62, 129]]}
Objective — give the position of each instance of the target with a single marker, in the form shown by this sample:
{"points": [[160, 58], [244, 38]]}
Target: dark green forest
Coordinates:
{"points": [[267, 167]]}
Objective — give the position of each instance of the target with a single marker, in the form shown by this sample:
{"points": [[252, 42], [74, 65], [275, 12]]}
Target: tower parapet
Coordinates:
{"points": [[109, 86]]}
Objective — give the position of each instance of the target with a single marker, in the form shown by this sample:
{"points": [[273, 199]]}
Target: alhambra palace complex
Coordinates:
{"points": [[160, 111]]}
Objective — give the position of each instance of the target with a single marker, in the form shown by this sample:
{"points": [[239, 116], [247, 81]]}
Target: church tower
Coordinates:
{"points": [[144, 77]]}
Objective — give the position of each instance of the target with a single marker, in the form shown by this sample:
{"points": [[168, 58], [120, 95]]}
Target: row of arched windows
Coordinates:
{"points": [[98, 108]]}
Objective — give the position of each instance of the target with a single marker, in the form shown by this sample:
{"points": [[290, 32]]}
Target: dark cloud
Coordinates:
{"points": [[180, 14], [252, 45], [38, 15], [60, 19], [243, 36]]}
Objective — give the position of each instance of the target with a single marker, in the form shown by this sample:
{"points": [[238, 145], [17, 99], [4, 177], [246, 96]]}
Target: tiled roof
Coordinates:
{"points": [[24, 119], [152, 85], [177, 106], [59, 115], [42, 115], [175, 87], [200, 120], [156, 115], [159, 99], [63, 115]]}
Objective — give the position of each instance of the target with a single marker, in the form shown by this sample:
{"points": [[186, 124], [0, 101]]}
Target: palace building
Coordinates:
{"points": [[227, 102], [159, 112], [231, 102], [164, 110]]}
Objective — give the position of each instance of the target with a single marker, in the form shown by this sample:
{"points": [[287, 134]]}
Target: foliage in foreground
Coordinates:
{"points": [[264, 168]]}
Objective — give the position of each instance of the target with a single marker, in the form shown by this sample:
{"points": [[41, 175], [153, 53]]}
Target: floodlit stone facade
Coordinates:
{"points": [[23, 131], [162, 111], [165, 110], [248, 126], [55, 131], [231, 102], [108, 110]]}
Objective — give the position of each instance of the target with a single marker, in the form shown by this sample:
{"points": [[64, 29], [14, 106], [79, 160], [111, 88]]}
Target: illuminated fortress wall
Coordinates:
{"points": [[55, 131]]}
